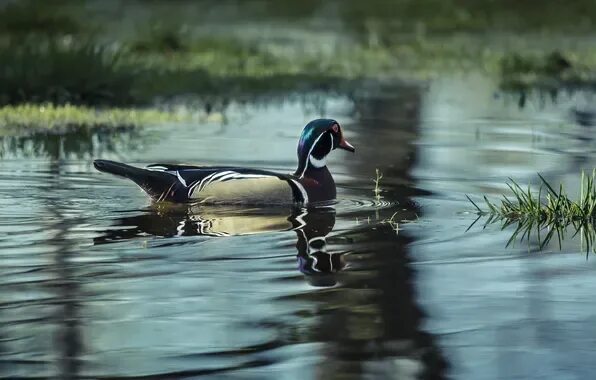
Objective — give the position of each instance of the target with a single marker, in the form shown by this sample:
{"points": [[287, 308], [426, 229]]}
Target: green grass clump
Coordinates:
{"points": [[546, 71], [555, 206], [49, 118], [42, 71], [554, 212]]}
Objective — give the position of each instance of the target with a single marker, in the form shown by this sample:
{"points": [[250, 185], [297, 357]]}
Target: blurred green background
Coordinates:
{"points": [[119, 53]]}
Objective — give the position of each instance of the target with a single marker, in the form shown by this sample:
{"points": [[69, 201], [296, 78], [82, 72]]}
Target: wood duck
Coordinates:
{"points": [[311, 182]]}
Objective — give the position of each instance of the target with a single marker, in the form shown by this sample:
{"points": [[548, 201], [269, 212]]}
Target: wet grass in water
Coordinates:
{"points": [[51, 119], [554, 212]]}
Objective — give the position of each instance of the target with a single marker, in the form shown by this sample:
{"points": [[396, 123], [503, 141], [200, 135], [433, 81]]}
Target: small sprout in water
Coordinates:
{"points": [[377, 189]]}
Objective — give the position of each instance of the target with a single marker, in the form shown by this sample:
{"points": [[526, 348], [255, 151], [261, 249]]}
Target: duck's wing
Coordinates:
{"points": [[184, 183], [201, 176], [241, 185], [186, 175]]}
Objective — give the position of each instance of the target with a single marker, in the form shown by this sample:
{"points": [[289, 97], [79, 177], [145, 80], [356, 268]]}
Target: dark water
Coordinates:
{"points": [[97, 283]]}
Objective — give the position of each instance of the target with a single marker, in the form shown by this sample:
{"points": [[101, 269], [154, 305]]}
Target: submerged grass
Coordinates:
{"points": [[554, 212]]}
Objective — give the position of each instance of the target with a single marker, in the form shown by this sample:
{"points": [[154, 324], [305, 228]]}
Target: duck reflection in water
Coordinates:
{"points": [[311, 226]]}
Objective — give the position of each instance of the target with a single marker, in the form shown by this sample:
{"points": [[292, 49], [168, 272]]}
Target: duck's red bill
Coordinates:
{"points": [[343, 144]]}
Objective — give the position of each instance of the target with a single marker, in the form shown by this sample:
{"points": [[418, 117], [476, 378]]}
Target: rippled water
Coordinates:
{"points": [[97, 283]]}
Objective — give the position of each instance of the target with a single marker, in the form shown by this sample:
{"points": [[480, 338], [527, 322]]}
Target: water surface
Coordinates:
{"points": [[98, 283]]}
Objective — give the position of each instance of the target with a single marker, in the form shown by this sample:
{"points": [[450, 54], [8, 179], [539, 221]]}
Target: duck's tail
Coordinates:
{"points": [[159, 185]]}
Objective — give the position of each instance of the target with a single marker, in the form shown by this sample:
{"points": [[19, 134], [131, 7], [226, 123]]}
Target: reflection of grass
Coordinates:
{"points": [[545, 231], [58, 119], [554, 212], [79, 142], [392, 222]]}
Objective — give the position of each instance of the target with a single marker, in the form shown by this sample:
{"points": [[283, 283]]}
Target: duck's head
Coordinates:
{"points": [[318, 139]]}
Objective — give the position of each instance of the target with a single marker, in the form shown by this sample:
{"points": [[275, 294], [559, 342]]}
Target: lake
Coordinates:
{"points": [[98, 283]]}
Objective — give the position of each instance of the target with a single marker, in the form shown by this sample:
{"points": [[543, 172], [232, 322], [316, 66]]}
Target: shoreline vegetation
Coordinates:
{"points": [[57, 119], [69, 54]]}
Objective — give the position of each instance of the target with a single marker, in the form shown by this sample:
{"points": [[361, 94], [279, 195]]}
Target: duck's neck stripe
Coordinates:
{"points": [[318, 163], [301, 190], [305, 163]]}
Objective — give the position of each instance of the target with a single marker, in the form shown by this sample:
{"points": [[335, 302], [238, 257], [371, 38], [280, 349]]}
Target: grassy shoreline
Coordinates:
{"points": [[50, 56], [50, 119]]}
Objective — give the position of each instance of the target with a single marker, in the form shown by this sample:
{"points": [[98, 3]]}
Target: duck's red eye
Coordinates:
{"points": [[335, 128]]}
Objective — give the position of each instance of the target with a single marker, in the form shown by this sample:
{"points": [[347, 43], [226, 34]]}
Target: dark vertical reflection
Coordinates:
{"points": [[66, 286], [386, 123], [372, 322]]}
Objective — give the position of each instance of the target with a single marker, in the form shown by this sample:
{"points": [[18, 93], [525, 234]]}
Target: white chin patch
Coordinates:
{"points": [[318, 163]]}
